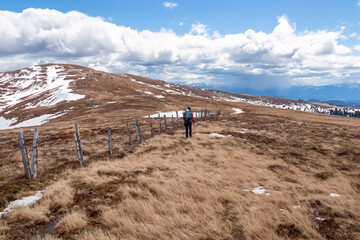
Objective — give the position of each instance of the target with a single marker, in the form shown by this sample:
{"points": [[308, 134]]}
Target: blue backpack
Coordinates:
{"points": [[187, 115]]}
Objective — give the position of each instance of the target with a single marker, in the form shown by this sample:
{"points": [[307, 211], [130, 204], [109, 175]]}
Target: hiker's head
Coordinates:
{"points": [[189, 108]]}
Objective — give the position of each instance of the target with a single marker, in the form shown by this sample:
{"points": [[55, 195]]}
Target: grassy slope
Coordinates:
{"points": [[172, 188]]}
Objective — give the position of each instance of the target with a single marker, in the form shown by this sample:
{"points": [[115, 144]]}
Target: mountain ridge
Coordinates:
{"points": [[40, 93]]}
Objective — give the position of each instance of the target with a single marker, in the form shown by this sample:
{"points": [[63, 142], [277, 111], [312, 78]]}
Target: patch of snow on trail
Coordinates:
{"points": [[237, 111], [219, 135], [22, 202]]}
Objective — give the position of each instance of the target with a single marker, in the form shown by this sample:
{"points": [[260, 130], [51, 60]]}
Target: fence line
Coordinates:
{"points": [[31, 172]]}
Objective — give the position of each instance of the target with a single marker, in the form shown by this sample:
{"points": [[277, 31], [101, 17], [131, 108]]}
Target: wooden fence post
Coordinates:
{"points": [[109, 140], [160, 124], [78, 144], [137, 128], [128, 131], [165, 123], [173, 123], [24, 155], [35, 154], [177, 116], [151, 127]]}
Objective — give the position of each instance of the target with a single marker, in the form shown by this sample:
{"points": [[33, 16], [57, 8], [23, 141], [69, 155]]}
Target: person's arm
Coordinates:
{"points": [[184, 116]]}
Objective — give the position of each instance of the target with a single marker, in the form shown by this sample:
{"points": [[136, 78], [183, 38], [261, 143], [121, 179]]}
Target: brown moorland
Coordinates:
{"points": [[168, 187]]}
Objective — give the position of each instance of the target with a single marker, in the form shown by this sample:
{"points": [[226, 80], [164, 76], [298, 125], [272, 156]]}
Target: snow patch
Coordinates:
{"points": [[22, 202], [334, 195], [217, 135], [259, 190], [6, 124], [159, 96], [237, 111], [283, 210], [319, 219], [34, 82], [137, 81]]}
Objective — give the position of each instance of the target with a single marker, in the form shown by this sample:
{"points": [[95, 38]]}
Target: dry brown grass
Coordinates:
{"points": [[72, 222], [58, 195], [29, 214], [200, 188], [47, 237], [4, 230], [96, 235]]}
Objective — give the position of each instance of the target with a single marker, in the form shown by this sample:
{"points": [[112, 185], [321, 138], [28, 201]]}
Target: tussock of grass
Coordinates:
{"points": [[72, 221], [30, 214], [59, 195]]}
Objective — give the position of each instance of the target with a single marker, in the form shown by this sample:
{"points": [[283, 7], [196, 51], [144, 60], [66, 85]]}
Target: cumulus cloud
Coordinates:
{"points": [[170, 5], [199, 29], [279, 58]]}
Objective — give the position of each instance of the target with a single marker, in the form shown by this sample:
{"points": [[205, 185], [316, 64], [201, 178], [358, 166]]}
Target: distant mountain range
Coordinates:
{"points": [[347, 94], [352, 103]]}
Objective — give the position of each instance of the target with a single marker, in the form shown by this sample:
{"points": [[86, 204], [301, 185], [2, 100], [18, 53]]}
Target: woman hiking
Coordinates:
{"points": [[188, 120]]}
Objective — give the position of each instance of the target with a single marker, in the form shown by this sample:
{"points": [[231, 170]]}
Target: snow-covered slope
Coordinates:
{"points": [[35, 86]]}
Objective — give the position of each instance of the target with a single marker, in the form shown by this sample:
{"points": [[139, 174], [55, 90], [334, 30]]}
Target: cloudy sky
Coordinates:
{"points": [[257, 44]]}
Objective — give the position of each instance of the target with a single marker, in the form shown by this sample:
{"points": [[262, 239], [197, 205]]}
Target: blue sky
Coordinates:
{"points": [[228, 16], [247, 44]]}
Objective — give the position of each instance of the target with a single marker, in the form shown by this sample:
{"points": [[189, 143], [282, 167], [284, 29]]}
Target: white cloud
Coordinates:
{"points": [[170, 5], [181, 23], [357, 47], [283, 56], [199, 29]]}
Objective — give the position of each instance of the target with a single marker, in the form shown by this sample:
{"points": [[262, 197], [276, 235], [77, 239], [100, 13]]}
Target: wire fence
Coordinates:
{"points": [[135, 131]]}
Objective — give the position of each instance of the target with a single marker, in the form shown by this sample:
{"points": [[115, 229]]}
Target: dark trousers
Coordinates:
{"points": [[188, 127]]}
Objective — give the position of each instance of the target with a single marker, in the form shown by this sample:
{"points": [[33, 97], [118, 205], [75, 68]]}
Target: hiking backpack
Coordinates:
{"points": [[187, 115]]}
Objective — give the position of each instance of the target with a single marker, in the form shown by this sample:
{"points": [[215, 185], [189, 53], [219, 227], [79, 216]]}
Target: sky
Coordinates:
{"points": [[258, 44]]}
